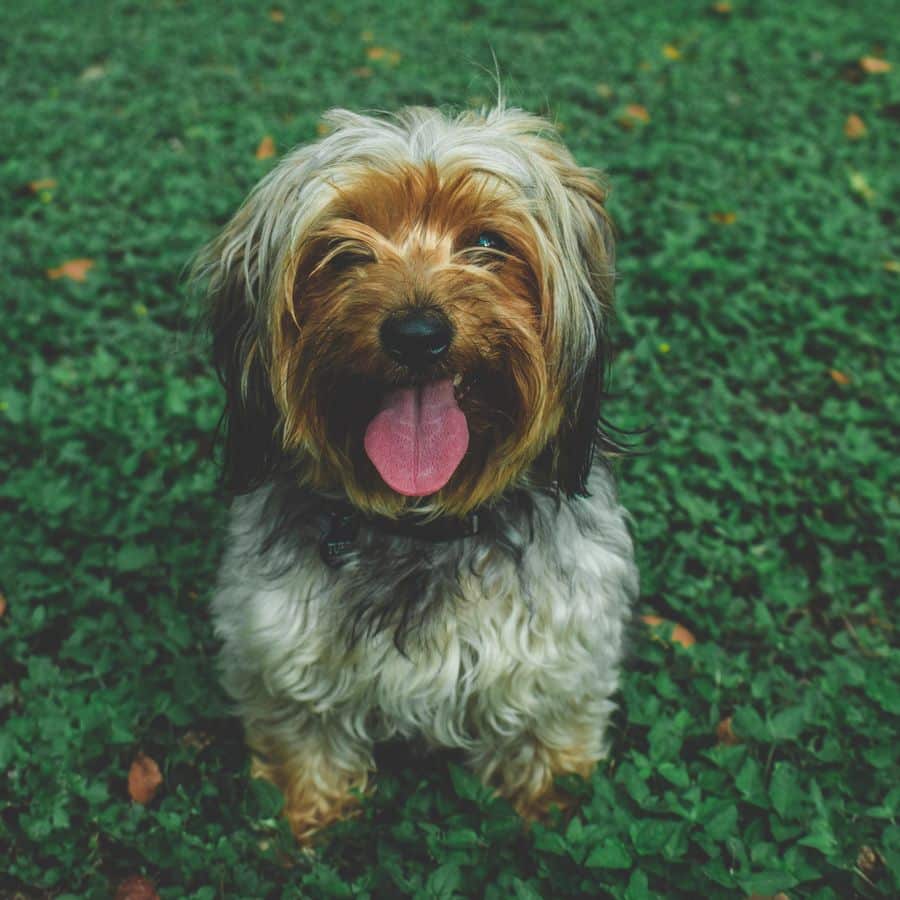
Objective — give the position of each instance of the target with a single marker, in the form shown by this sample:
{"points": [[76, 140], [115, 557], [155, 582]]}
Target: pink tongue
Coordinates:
{"points": [[418, 439]]}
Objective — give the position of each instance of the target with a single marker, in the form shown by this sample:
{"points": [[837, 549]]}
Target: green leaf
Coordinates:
{"points": [[610, 854]]}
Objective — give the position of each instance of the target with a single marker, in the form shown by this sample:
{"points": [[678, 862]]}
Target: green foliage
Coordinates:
{"points": [[766, 514]]}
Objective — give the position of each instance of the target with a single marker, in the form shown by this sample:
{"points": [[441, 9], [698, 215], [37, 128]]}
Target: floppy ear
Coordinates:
{"points": [[580, 435], [250, 423]]}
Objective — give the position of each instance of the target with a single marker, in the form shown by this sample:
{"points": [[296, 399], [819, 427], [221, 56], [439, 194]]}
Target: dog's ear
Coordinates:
{"points": [[231, 268], [591, 251]]}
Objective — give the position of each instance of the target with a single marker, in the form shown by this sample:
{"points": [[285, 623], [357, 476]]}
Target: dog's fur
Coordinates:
{"points": [[506, 643]]}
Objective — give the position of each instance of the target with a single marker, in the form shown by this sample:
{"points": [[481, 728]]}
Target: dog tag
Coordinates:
{"points": [[338, 539]]}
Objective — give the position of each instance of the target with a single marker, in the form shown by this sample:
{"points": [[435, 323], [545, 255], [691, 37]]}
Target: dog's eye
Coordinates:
{"points": [[489, 240]]}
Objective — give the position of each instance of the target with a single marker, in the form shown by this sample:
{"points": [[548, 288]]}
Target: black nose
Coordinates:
{"points": [[417, 338]]}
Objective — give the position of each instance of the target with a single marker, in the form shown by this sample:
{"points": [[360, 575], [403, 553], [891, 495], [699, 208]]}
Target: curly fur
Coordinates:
{"points": [[505, 644]]}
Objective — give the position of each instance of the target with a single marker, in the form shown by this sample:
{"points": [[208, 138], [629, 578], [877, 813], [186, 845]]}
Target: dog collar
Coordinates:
{"points": [[344, 522]]}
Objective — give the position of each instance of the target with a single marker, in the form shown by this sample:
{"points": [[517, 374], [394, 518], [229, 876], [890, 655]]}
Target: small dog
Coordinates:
{"points": [[409, 320]]}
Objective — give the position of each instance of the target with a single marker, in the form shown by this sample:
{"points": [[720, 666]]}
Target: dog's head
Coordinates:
{"points": [[412, 310]]}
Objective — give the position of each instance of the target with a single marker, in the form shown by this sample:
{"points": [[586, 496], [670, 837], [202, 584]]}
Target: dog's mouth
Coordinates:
{"points": [[419, 436]]}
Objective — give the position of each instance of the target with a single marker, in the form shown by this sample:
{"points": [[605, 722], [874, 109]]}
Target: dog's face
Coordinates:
{"points": [[411, 312]]}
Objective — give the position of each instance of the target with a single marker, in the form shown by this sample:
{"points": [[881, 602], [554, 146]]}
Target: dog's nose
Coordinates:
{"points": [[418, 338]]}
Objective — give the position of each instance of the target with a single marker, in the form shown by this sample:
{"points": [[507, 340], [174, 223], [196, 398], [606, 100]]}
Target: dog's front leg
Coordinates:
{"points": [[319, 767]]}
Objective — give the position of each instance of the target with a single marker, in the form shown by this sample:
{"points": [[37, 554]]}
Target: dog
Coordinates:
{"points": [[409, 318]]}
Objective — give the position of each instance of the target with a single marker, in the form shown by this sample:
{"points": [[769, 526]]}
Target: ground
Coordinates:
{"points": [[752, 152]]}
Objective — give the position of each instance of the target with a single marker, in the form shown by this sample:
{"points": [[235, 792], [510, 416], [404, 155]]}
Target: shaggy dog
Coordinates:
{"points": [[409, 319]]}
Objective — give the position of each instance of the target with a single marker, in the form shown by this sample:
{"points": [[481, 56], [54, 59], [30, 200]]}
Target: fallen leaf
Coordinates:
{"points": [[634, 114], [322, 128], [680, 634], [670, 51], [376, 54], [2, 606], [839, 377], [266, 148], [196, 740], [276, 15], [723, 218], [73, 269], [144, 779], [868, 860], [859, 184], [363, 72], [136, 888], [92, 73], [854, 127], [722, 9], [725, 733], [874, 65], [42, 184], [892, 265]]}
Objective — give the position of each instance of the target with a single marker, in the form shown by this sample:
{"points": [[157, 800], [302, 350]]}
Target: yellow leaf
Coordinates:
{"points": [[266, 148], [860, 185], [604, 90], [874, 65], [276, 15], [376, 53], [839, 377], [73, 269], [671, 52], [854, 127], [892, 265], [723, 218], [664, 347]]}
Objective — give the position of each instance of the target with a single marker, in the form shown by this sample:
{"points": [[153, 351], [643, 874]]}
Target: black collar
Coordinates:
{"points": [[343, 523]]}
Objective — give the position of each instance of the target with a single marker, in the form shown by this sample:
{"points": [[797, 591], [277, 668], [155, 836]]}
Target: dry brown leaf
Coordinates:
{"points": [[73, 269], [276, 15], [42, 184], [636, 111], [266, 148], [670, 51], [136, 887], [722, 9], [376, 53], [2, 606], [874, 65], [723, 218], [868, 860], [680, 634], [854, 127], [725, 733], [144, 779], [322, 128], [839, 377]]}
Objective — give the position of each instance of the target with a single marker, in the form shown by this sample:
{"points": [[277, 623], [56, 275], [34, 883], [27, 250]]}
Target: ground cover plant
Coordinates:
{"points": [[752, 149]]}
